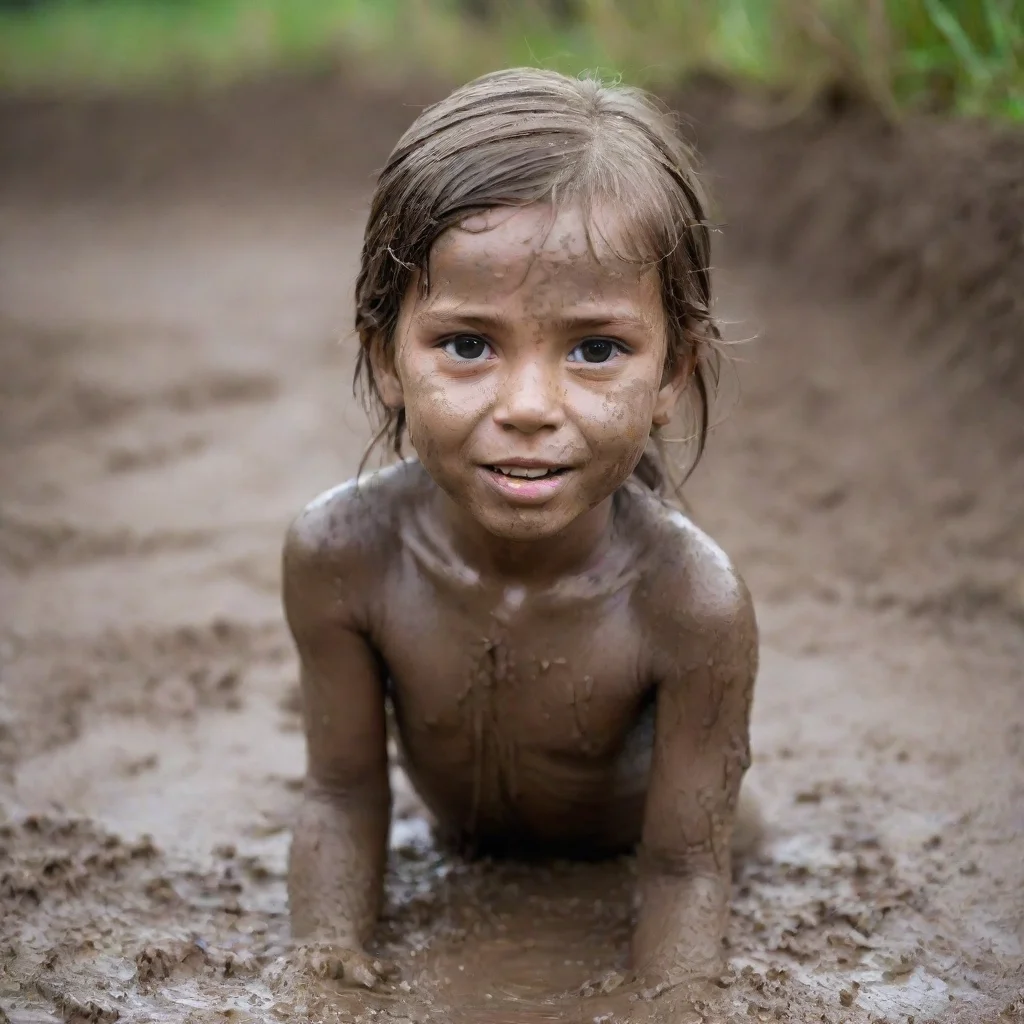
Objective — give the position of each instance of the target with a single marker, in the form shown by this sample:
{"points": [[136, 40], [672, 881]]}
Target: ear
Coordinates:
{"points": [[385, 376], [672, 386]]}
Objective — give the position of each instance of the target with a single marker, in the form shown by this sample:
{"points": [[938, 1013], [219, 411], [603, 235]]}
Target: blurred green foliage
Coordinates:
{"points": [[965, 56]]}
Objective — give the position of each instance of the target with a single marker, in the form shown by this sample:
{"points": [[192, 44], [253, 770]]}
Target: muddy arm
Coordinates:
{"points": [[701, 751], [339, 846]]}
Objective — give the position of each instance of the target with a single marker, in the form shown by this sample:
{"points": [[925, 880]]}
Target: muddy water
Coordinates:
{"points": [[173, 390]]}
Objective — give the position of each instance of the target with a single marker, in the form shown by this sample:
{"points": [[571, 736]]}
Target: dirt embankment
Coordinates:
{"points": [[174, 276], [923, 218], [926, 215]]}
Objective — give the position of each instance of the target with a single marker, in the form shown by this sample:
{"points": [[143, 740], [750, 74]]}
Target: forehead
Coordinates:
{"points": [[538, 249]]}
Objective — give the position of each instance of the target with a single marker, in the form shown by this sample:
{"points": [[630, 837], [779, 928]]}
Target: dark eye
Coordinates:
{"points": [[594, 350], [467, 347]]}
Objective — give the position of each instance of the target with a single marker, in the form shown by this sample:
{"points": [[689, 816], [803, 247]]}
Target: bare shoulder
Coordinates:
{"points": [[340, 546], [691, 589], [350, 520]]}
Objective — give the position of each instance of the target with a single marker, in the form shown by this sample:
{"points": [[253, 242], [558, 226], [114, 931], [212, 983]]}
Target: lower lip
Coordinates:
{"points": [[521, 490]]}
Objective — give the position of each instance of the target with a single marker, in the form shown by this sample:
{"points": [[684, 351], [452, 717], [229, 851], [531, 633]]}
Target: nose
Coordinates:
{"points": [[530, 399]]}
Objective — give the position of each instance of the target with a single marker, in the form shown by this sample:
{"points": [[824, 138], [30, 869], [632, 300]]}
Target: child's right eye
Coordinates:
{"points": [[467, 347]]}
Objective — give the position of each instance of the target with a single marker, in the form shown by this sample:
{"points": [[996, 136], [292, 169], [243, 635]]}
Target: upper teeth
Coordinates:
{"points": [[532, 474]]}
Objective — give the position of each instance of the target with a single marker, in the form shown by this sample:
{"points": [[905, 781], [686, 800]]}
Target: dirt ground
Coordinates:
{"points": [[173, 390]]}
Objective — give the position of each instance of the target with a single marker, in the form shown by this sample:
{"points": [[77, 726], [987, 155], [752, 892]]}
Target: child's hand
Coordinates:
{"points": [[349, 965]]}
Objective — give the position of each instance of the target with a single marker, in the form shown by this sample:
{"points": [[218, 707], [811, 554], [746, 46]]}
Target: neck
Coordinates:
{"points": [[574, 550]]}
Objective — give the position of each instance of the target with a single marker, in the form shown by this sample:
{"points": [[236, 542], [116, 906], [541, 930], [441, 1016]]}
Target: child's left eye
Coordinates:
{"points": [[595, 350]]}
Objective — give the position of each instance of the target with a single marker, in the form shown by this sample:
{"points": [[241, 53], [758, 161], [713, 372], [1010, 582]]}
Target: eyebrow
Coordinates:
{"points": [[484, 320]]}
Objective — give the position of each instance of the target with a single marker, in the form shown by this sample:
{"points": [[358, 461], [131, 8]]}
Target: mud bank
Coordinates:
{"points": [[924, 218], [174, 277]]}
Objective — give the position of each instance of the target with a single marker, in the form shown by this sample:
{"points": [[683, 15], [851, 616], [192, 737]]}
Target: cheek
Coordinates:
{"points": [[621, 418], [617, 426], [439, 412]]}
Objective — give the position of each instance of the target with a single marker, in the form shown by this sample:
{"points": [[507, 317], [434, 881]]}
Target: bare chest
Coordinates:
{"points": [[545, 680], [521, 718]]}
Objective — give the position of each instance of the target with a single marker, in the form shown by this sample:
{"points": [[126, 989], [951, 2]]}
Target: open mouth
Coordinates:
{"points": [[529, 472], [526, 485]]}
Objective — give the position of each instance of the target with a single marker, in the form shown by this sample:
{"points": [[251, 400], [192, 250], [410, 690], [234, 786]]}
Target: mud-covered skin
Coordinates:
{"points": [[523, 707], [524, 628]]}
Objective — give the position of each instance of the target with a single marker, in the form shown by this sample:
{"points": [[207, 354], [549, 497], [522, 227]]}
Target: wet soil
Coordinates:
{"points": [[175, 276]]}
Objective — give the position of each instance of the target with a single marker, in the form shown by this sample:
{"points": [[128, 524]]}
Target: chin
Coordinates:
{"points": [[524, 522], [518, 522], [524, 525]]}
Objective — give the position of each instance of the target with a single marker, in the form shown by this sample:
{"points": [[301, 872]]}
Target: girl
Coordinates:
{"points": [[570, 660]]}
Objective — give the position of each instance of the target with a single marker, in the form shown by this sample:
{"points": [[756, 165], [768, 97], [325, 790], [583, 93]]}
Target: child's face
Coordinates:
{"points": [[532, 371]]}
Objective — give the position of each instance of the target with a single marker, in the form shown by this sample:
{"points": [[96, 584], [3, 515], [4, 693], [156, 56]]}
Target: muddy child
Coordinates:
{"points": [[569, 659]]}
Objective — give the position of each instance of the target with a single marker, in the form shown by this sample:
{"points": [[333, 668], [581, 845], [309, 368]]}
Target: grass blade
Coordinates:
{"points": [[958, 40]]}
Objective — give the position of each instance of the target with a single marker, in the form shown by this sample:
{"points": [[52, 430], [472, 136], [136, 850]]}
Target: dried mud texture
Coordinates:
{"points": [[174, 279]]}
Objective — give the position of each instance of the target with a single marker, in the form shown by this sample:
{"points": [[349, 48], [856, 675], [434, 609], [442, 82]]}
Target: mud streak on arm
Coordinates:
{"points": [[701, 752], [339, 846]]}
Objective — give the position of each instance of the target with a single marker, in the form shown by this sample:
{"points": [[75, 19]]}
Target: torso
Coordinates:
{"points": [[525, 716], [515, 721]]}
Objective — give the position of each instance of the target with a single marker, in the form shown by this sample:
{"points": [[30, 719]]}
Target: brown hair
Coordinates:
{"points": [[524, 136]]}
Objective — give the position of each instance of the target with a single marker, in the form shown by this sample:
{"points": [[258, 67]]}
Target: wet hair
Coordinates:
{"points": [[524, 136]]}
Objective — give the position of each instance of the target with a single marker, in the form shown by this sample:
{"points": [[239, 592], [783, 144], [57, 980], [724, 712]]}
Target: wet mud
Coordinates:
{"points": [[174, 279]]}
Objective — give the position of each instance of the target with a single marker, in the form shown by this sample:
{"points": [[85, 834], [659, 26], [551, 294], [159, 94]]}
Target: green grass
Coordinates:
{"points": [[101, 44], [965, 56]]}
